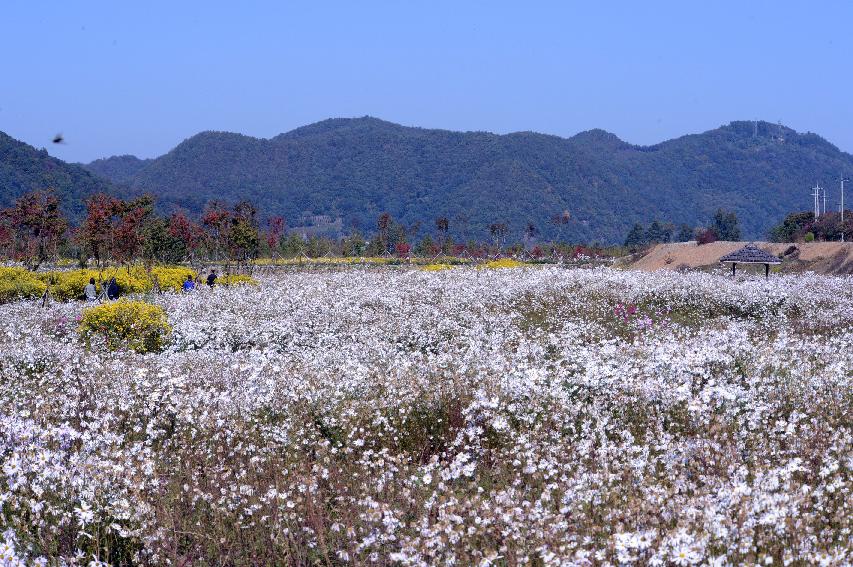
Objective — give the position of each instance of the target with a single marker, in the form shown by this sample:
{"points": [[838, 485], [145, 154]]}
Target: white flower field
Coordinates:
{"points": [[535, 415]]}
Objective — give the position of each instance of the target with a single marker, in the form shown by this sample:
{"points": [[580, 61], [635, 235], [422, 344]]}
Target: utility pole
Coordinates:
{"points": [[843, 179], [816, 196]]}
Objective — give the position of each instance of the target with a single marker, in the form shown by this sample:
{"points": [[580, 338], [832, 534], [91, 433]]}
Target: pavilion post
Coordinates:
{"points": [[766, 271], [733, 267]]}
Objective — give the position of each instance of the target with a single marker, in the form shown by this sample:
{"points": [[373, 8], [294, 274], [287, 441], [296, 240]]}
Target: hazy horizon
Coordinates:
{"points": [[128, 79]]}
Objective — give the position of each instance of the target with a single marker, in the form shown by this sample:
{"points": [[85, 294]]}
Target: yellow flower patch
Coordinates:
{"points": [[18, 283], [137, 325], [502, 263]]}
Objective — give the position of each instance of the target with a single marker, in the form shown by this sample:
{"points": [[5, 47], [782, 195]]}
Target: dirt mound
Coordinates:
{"points": [[821, 257]]}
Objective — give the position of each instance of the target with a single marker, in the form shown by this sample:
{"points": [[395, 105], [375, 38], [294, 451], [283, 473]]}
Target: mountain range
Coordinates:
{"points": [[354, 169]]}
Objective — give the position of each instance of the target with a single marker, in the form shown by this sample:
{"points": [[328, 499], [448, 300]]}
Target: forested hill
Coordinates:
{"points": [[119, 169], [357, 168], [354, 169], [24, 168]]}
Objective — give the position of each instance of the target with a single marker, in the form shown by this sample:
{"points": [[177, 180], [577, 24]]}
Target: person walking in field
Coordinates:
{"points": [[211, 278], [189, 284], [90, 291]]}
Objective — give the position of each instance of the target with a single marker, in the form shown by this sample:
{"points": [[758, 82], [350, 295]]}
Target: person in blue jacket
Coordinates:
{"points": [[112, 290], [189, 285]]}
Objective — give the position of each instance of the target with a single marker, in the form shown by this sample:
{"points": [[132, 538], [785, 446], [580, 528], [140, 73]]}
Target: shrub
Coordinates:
{"points": [[502, 263], [809, 237], [65, 286], [706, 236], [68, 285], [139, 326], [436, 267], [18, 283], [236, 279], [170, 277]]}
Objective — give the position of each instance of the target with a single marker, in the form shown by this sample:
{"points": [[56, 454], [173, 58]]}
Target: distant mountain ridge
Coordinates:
{"points": [[356, 168]]}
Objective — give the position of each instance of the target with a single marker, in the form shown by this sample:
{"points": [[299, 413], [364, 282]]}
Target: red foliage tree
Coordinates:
{"points": [[5, 237], [706, 236], [274, 231], [36, 227], [402, 249], [128, 232], [188, 232], [115, 229], [216, 219], [96, 233]]}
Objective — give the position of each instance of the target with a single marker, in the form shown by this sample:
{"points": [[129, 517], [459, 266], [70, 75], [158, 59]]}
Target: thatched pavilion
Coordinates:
{"points": [[751, 254]]}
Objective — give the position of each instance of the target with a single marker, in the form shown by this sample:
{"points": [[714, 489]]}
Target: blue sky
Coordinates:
{"points": [[139, 77]]}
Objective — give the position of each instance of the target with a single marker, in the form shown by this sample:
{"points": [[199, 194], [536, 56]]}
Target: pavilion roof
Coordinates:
{"points": [[751, 254]]}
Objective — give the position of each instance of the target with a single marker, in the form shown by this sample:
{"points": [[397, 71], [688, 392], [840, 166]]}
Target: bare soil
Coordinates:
{"points": [[820, 257]]}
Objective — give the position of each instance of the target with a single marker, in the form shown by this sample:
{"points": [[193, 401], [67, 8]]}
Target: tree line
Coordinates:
{"points": [[801, 226], [723, 225], [116, 231], [804, 226]]}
